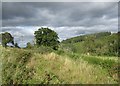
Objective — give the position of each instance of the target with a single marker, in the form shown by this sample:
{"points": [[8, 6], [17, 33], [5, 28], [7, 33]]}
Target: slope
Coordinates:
{"points": [[100, 44], [29, 66]]}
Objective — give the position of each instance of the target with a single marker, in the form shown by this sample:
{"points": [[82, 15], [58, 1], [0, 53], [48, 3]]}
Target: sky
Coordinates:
{"points": [[68, 19]]}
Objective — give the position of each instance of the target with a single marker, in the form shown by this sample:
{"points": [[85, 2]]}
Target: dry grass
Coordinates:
{"points": [[70, 71]]}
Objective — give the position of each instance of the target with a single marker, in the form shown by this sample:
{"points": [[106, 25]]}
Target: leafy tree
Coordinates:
{"points": [[7, 38], [46, 37]]}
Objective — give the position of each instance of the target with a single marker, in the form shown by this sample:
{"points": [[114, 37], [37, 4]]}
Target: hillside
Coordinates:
{"points": [[45, 66], [88, 59], [103, 43]]}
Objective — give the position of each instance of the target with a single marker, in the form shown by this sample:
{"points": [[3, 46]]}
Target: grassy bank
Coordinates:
{"points": [[27, 66]]}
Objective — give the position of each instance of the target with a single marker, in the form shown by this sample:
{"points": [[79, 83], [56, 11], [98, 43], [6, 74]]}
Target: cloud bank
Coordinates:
{"points": [[68, 19]]}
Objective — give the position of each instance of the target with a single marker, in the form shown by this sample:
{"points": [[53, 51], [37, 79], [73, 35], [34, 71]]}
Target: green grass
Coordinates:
{"points": [[14, 63], [24, 66], [107, 63]]}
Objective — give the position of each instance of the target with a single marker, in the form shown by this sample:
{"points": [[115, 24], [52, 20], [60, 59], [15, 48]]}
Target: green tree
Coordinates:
{"points": [[29, 45], [7, 38], [46, 37]]}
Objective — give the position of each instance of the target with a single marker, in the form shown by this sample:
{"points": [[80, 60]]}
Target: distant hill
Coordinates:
{"points": [[103, 43]]}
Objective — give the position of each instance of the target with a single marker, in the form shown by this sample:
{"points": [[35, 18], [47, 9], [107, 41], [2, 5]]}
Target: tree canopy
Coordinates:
{"points": [[7, 38], [46, 37]]}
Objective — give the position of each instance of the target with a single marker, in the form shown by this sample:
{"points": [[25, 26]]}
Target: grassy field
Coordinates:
{"points": [[36, 66]]}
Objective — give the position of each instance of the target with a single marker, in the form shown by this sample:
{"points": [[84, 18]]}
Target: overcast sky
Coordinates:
{"points": [[68, 19]]}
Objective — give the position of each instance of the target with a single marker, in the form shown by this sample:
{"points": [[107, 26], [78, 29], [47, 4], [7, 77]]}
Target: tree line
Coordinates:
{"points": [[43, 37], [103, 43]]}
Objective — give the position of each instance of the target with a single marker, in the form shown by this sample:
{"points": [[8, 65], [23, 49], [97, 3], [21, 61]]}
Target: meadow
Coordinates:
{"points": [[46, 66]]}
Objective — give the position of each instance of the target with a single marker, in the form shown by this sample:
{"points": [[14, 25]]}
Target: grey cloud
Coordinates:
{"points": [[12, 10], [56, 13], [68, 19]]}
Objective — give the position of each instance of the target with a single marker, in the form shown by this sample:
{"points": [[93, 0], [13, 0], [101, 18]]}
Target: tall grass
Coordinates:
{"points": [[68, 71], [14, 70], [24, 66], [110, 65]]}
